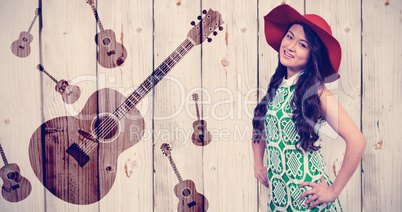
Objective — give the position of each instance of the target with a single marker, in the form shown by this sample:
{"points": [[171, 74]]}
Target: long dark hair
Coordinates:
{"points": [[305, 103]]}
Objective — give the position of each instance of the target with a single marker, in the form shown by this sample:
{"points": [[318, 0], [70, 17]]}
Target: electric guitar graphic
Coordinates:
{"points": [[75, 157], [189, 199], [111, 53], [15, 187], [21, 47], [201, 135]]}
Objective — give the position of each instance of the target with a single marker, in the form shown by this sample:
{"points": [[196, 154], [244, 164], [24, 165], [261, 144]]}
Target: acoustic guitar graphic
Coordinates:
{"points": [[21, 47], [111, 53], [15, 187], [69, 93], [75, 157], [201, 135], [189, 199]]}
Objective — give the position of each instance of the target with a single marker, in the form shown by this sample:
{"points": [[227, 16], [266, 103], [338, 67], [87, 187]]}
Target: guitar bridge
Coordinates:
{"points": [[21, 47], [111, 53], [15, 186], [76, 152], [191, 204]]}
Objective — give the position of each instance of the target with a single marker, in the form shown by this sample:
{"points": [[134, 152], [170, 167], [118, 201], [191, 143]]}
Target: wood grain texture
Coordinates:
{"points": [[19, 115], [381, 52], [346, 28], [229, 75], [132, 23], [172, 123], [226, 74]]}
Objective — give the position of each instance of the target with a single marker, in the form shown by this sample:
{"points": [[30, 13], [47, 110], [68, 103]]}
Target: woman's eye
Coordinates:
{"points": [[289, 36], [303, 45]]}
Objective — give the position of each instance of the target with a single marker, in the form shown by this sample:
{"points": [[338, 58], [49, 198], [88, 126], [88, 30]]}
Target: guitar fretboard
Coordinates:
{"points": [[198, 112], [175, 169], [97, 17], [30, 27], [154, 78], [3, 155]]}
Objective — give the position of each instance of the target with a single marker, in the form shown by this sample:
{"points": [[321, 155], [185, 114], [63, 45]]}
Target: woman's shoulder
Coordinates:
{"points": [[324, 92]]}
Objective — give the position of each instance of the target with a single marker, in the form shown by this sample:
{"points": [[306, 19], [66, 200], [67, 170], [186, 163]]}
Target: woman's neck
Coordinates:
{"points": [[291, 73]]}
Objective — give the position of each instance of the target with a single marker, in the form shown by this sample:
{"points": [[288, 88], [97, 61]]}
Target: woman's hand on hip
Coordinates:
{"points": [[320, 193]]}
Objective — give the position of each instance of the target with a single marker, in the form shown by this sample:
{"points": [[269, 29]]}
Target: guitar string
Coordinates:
{"points": [[110, 123]]}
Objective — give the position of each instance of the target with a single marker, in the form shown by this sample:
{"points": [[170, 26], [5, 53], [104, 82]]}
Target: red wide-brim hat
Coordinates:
{"points": [[277, 22]]}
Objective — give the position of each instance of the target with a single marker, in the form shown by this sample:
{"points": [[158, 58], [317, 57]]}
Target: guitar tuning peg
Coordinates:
{"points": [[220, 28], [209, 40], [204, 12], [199, 17], [192, 23], [215, 33]]}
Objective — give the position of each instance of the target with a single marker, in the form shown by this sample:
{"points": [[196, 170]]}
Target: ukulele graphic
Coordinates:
{"points": [[201, 135], [21, 47], [111, 53], [189, 199], [69, 93], [15, 187]]}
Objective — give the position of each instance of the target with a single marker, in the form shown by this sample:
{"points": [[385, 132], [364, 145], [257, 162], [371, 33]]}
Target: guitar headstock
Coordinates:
{"points": [[195, 96], [37, 11], [165, 149], [211, 21], [40, 67], [90, 2]]}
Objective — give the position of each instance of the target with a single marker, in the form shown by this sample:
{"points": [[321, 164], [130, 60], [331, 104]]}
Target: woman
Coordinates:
{"points": [[287, 120]]}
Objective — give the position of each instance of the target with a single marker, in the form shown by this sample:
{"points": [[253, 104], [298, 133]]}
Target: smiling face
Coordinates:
{"points": [[294, 52]]}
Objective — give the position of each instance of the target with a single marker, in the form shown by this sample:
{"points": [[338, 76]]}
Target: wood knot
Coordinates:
{"points": [[225, 62]]}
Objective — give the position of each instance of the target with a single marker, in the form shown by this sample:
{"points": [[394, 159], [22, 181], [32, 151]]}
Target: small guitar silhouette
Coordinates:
{"points": [[189, 199], [69, 93], [15, 187], [21, 47], [111, 53], [201, 135]]}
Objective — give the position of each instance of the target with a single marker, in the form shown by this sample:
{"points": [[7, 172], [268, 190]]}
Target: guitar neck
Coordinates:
{"points": [[30, 27], [153, 79], [198, 112], [175, 169], [50, 76], [97, 17], [3, 155]]}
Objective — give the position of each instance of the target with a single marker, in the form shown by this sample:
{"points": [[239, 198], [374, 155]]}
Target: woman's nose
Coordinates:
{"points": [[292, 45]]}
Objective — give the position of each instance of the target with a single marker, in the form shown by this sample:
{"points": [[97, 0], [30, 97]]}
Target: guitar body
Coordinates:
{"points": [[75, 168], [189, 199], [201, 135], [21, 47], [111, 53], [15, 187]]}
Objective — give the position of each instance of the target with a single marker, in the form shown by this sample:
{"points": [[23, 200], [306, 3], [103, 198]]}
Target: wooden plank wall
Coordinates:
{"points": [[230, 74]]}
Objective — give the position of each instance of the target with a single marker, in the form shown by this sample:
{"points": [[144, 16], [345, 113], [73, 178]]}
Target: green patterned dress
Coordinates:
{"points": [[287, 167]]}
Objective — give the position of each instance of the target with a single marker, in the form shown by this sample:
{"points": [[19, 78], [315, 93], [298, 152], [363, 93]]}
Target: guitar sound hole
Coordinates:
{"points": [[25, 39], [107, 127], [120, 61], [186, 192], [200, 127], [11, 175], [106, 41]]}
